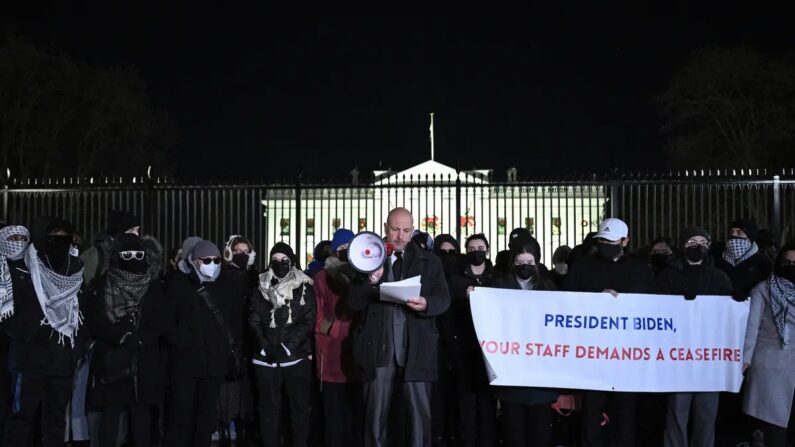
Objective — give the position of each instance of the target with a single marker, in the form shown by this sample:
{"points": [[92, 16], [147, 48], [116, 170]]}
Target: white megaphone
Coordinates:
{"points": [[367, 252]]}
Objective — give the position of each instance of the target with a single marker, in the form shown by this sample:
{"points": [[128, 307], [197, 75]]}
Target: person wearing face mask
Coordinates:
{"points": [[477, 407], [97, 257], [742, 260], [319, 255], [282, 318], [526, 413], [610, 270], [446, 247], [662, 255], [768, 355], [46, 334], [235, 403], [560, 265], [127, 318], [14, 240], [200, 347], [518, 237], [340, 393], [696, 277]]}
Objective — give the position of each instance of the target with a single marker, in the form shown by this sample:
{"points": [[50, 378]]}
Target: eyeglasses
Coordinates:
{"points": [[207, 261], [693, 243], [129, 254]]}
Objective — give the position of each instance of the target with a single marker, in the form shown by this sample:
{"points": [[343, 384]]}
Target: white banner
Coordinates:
{"points": [[593, 341]]}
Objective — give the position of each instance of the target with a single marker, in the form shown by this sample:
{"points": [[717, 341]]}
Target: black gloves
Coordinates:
{"points": [[739, 296]]}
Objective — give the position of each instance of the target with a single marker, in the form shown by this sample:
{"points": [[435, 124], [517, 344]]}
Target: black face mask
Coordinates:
{"points": [[786, 271], [342, 255], [659, 260], [608, 251], [476, 258], [280, 268], [134, 266], [525, 271], [695, 254], [56, 251], [240, 260]]}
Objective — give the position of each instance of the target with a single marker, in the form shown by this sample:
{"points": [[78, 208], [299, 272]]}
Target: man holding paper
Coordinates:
{"points": [[396, 341]]}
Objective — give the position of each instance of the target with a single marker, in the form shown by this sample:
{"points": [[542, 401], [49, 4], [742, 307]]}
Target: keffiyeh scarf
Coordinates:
{"points": [[738, 250], [13, 250], [123, 293], [280, 292], [782, 296], [57, 295]]}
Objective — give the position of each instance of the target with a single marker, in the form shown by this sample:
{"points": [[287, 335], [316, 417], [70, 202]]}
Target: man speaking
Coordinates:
{"points": [[396, 344]]}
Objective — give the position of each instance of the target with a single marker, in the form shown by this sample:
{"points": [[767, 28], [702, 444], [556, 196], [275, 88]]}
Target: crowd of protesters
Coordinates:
{"points": [[122, 344]]}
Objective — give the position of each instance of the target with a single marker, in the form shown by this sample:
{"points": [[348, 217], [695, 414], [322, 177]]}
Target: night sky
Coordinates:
{"points": [[256, 93]]}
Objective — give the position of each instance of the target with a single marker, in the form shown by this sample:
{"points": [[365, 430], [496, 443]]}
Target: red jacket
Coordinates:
{"points": [[334, 362]]}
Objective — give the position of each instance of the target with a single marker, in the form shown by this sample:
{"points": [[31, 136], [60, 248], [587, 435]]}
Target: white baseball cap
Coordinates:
{"points": [[612, 229]]}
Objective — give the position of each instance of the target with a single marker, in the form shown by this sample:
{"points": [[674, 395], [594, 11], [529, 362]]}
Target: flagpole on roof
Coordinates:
{"points": [[431, 129]]}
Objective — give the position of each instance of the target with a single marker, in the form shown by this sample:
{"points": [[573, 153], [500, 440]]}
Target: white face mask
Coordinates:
{"points": [[73, 251], [209, 270]]}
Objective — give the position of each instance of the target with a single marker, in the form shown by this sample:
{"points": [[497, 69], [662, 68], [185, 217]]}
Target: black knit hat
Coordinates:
{"points": [[691, 232], [748, 226], [120, 221], [284, 249]]}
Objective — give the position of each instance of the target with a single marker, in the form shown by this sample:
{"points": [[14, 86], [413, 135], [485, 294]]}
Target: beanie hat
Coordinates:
{"points": [[691, 232], [341, 237], [204, 249], [748, 226], [526, 244], [284, 249], [120, 221]]}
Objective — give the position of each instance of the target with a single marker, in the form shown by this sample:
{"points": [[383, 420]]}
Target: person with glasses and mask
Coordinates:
{"points": [[662, 255], [610, 270], [526, 413], [282, 318], [46, 334], [200, 350], [696, 277], [768, 355], [127, 317], [477, 407]]}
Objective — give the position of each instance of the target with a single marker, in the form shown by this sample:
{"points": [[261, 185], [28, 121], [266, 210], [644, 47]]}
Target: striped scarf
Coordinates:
{"points": [[782, 295]]}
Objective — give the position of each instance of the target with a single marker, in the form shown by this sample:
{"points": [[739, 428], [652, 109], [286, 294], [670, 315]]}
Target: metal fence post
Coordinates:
{"points": [[775, 224], [298, 249], [457, 217]]}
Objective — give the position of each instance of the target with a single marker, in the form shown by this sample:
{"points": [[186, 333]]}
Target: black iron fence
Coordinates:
{"points": [[557, 211]]}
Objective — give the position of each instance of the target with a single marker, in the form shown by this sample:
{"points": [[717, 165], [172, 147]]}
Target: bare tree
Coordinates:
{"points": [[730, 107]]}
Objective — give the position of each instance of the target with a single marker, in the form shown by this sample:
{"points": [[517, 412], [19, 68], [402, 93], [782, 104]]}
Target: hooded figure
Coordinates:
{"points": [[97, 257], [43, 332], [128, 317], [14, 240], [447, 248]]}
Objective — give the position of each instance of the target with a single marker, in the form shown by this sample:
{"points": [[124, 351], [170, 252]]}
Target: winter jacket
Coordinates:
{"points": [[199, 347], [460, 337], [371, 339], [596, 274], [333, 325], [286, 335], [34, 347], [153, 323], [747, 274], [692, 280]]}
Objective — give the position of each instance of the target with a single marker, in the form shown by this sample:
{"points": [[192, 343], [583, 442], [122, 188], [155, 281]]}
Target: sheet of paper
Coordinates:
{"points": [[401, 291]]}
